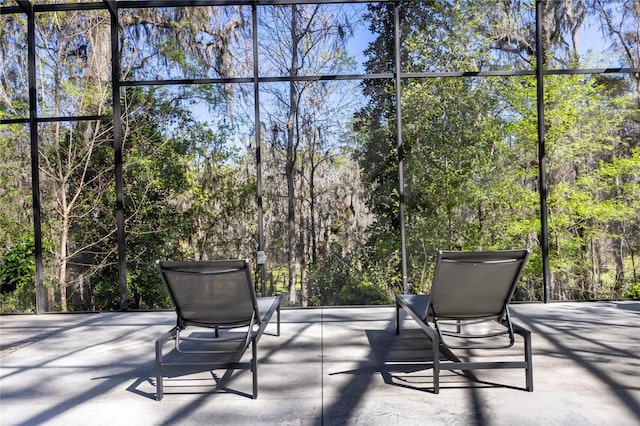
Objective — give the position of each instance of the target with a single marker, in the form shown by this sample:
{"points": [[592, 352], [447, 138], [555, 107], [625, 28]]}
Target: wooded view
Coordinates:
{"points": [[316, 183]]}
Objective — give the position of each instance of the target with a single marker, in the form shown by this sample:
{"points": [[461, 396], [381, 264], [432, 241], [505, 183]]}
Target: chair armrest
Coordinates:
{"points": [[162, 340], [521, 330]]}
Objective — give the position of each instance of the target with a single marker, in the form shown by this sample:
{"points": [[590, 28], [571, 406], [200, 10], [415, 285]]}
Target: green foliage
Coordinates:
{"points": [[341, 279], [17, 277], [470, 155], [15, 212], [148, 291], [593, 194], [466, 186], [107, 293], [17, 267], [633, 292], [185, 197]]}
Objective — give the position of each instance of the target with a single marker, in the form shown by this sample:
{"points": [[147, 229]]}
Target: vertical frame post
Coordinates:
{"points": [[27, 7], [117, 150], [258, 135], [403, 243], [542, 168]]}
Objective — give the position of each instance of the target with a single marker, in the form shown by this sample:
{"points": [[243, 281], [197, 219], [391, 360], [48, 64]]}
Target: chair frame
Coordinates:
{"points": [[421, 309], [255, 326]]}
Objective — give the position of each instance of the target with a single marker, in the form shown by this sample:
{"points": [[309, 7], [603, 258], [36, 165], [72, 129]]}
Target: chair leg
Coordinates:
{"points": [[159, 387], [436, 362], [254, 368], [159, 384], [397, 318], [529, 360]]}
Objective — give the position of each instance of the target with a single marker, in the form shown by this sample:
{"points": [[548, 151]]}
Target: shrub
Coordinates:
{"points": [[633, 292], [17, 277], [340, 279]]}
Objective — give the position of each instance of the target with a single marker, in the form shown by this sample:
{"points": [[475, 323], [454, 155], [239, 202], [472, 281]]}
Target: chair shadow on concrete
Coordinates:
{"points": [[407, 361], [192, 380]]}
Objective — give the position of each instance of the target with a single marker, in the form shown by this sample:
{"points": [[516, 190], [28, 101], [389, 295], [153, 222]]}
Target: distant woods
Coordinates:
{"points": [[328, 148]]}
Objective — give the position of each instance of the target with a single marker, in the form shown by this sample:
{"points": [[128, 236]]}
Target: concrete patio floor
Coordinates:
{"points": [[331, 366]]}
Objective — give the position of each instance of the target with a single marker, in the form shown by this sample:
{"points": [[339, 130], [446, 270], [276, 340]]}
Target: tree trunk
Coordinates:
{"points": [[291, 158], [620, 270], [62, 272]]}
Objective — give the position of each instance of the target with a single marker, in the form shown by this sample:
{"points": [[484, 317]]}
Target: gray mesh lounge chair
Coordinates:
{"points": [[220, 297], [468, 309]]}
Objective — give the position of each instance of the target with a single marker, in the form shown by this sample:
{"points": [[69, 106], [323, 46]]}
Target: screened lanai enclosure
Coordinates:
{"points": [[336, 145]]}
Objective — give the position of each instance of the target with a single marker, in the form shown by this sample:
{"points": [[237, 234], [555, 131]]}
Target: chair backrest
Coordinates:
{"points": [[211, 293], [475, 284]]}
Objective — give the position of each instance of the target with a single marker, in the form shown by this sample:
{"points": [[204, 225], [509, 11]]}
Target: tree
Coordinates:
{"points": [[76, 157], [469, 144], [314, 45], [75, 167]]}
